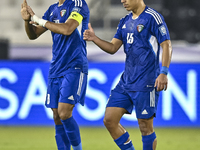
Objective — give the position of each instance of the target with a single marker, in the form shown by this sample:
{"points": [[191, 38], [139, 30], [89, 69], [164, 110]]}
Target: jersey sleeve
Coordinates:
{"points": [[118, 34], [81, 7], [76, 16], [159, 28]]}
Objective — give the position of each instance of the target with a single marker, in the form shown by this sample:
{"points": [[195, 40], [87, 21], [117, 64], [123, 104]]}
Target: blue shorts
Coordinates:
{"points": [[145, 103], [70, 88]]}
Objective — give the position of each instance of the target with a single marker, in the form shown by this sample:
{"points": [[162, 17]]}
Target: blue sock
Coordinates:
{"points": [[148, 141], [61, 138], [121, 142], [73, 133]]}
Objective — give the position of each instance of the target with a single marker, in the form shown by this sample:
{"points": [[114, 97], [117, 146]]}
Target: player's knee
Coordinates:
{"points": [[65, 111], [108, 122], [145, 128], [64, 115], [56, 118]]}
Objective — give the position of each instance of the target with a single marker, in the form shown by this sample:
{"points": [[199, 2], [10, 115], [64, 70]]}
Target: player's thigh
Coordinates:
{"points": [[114, 114], [65, 110]]}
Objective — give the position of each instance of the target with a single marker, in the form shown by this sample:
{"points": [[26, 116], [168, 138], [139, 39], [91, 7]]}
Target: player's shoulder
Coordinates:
{"points": [[150, 11], [79, 6], [52, 6], [78, 3], [125, 18], [153, 14]]}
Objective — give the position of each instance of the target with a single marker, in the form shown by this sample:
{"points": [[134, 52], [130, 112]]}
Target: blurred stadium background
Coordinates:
{"points": [[182, 17], [24, 70]]}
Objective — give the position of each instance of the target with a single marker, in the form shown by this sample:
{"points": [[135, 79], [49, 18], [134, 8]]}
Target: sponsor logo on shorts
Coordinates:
{"points": [[144, 112], [71, 97]]}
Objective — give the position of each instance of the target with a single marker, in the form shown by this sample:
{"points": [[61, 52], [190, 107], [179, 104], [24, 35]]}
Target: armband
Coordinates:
{"points": [[76, 16], [164, 70], [38, 20]]}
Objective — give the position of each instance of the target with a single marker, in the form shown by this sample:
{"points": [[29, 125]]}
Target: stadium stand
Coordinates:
{"points": [[181, 16]]}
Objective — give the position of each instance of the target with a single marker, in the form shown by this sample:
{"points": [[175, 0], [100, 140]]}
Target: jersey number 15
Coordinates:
{"points": [[130, 38]]}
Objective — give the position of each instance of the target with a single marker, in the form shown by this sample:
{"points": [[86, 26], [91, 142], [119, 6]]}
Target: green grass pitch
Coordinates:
{"points": [[42, 138]]}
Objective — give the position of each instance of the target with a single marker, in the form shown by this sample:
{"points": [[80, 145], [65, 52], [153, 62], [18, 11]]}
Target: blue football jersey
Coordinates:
{"points": [[141, 39], [68, 52]]}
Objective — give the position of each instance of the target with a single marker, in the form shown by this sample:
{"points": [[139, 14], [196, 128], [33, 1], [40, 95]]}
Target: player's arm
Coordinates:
{"points": [[68, 27], [167, 53], [61, 28], [162, 80], [109, 47], [32, 31]]}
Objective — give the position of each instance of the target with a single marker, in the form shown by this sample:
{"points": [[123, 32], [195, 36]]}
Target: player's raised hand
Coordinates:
{"points": [[89, 34], [30, 11], [24, 12], [161, 82]]}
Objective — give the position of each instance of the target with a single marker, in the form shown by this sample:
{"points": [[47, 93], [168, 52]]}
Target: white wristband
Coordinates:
{"points": [[38, 20]]}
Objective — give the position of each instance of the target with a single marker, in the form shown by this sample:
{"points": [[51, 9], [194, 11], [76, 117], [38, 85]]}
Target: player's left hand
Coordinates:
{"points": [[161, 82], [89, 34]]}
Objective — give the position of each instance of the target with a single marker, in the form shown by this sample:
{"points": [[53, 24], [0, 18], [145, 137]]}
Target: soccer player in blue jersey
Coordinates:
{"points": [[141, 32], [68, 70]]}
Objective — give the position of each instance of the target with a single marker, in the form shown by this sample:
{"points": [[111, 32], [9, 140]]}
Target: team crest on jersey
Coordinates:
{"points": [[140, 27], [62, 12]]}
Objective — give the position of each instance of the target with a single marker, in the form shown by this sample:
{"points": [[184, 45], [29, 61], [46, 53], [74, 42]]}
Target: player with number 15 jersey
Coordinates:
{"points": [[142, 33], [141, 39]]}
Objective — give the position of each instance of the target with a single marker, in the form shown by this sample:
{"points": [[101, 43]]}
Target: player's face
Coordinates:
{"points": [[130, 5]]}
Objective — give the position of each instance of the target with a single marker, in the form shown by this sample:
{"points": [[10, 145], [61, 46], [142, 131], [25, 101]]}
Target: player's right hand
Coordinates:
{"points": [[89, 34], [24, 12], [161, 82], [30, 11]]}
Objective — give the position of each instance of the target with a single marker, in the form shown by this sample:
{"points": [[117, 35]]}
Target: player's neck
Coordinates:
{"points": [[61, 2], [138, 11]]}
